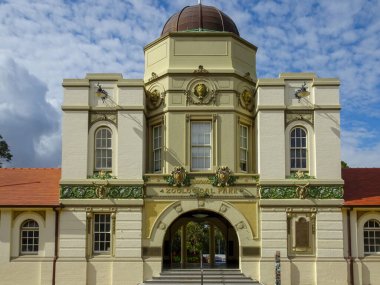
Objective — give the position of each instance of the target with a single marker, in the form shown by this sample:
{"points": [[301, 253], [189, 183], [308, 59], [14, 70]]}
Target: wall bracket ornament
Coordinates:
{"points": [[178, 177], [313, 192], [223, 177]]}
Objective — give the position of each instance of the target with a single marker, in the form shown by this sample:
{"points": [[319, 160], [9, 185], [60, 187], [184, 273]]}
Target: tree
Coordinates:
{"points": [[5, 153], [344, 164]]}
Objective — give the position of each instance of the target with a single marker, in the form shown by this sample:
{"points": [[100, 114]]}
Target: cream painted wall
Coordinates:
{"points": [[26, 269], [74, 144]]}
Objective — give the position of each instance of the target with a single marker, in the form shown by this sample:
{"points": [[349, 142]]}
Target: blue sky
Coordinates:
{"points": [[44, 41]]}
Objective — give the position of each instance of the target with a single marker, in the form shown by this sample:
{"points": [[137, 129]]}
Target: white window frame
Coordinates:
{"points": [[98, 233], [243, 150], [157, 148], [105, 148], [371, 234], [32, 238], [296, 148], [203, 145]]}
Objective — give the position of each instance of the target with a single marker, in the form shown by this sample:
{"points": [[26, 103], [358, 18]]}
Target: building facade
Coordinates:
{"points": [[199, 140]]}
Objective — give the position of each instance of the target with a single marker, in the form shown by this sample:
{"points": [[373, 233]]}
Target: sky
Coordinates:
{"points": [[44, 41]]}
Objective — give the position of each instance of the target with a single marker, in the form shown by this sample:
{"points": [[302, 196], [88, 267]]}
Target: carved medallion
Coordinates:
{"points": [[201, 91]]}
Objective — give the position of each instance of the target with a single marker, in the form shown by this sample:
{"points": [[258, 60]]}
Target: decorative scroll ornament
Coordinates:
{"points": [[246, 99], [155, 98], [300, 175], [178, 177], [200, 70], [223, 177], [101, 190]]}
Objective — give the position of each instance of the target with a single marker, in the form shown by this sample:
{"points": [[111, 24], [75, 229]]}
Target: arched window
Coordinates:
{"points": [[103, 149], [371, 232], [29, 237], [298, 149]]}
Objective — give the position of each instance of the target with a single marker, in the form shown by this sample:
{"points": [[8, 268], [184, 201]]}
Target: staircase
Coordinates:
{"points": [[210, 277]]}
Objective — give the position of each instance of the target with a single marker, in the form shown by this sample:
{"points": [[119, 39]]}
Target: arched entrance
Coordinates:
{"points": [[200, 234]]}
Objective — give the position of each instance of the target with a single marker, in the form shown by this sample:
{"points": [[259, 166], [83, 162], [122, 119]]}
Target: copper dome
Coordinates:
{"points": [[200, 18]]}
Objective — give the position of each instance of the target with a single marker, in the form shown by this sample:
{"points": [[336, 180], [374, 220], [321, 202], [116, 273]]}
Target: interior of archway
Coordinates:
{"points": [[200, 233]]}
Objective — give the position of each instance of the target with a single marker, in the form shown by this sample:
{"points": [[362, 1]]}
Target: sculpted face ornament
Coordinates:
{"points": [[201, 91], [247, 96], [154, 97]]}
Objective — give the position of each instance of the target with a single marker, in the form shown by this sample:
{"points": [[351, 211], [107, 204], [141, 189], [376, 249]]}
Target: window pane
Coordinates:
{"points": [[103, 149], [201, 145]]}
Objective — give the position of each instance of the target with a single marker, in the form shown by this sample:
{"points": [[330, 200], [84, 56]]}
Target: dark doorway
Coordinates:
{"points": [[200, 234]]}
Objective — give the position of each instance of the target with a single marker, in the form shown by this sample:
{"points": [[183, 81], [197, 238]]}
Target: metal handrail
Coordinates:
{"points": [[201, 268]]}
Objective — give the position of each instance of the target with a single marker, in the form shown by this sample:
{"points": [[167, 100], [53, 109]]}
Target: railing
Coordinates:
{"points": [[201, 267]]}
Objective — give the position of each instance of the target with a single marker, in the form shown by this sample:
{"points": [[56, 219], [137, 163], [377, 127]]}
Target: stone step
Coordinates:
{"points": [[210, 277]]}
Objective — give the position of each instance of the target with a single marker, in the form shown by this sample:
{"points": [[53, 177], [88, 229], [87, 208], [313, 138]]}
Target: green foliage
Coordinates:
{"points": [[5, 153], [344, 164]]}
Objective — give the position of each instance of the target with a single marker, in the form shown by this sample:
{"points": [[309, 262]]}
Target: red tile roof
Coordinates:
{"points": [[29, 186], [361, 186]]}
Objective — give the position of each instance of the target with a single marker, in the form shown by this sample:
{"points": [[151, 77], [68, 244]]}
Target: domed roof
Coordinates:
{"points": [[200, 18]]}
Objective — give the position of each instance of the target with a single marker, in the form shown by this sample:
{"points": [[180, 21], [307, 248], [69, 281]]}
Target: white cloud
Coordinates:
{"points": [[56, 39], [27, 121]]}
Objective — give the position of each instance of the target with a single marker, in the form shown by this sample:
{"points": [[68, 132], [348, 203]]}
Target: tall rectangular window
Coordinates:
{"points": [[201, 145], [243, 148], [103, 149], [157, 148], [298, 149], [102, 233]]}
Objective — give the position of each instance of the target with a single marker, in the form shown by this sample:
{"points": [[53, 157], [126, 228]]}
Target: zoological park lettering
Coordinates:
{"points": [[203, 191]]}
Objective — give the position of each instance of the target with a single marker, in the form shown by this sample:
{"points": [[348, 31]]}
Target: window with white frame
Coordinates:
{"points": [[103, 149], [243, 148], [102, 233], [157, 148], [29, 237], [201, 145], [298, 149], [371, 233]]}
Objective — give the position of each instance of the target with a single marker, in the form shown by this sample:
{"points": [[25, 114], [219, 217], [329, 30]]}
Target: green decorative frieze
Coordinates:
{"points": [[101, 191], [302, 192]]}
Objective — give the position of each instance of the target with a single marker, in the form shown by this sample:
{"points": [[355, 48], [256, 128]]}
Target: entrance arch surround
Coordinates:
{"points": [[225, 209]]}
